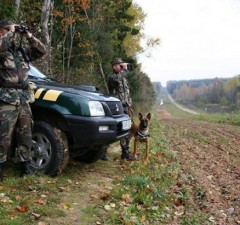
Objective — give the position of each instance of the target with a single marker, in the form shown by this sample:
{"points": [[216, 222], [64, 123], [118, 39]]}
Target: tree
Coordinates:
{"points": [[46, 9], [17, 5], [84, 36], [231, 87], [7, 9], [216, 91]]}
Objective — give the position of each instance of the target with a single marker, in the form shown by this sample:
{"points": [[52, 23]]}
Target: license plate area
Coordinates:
{"points": [[126, 124]]}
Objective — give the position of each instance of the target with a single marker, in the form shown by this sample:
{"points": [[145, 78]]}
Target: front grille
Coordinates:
{"points": [[116, 108]]}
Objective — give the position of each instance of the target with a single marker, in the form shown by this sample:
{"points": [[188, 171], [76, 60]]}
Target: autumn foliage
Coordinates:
{"points": [[84, 36]]}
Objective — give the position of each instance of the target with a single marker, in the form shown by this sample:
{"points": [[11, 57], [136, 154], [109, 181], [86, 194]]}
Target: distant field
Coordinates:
{"points": [[227, 118]]}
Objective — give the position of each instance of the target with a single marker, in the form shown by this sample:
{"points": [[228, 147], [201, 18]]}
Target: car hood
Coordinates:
{"points": [[74, 90]]}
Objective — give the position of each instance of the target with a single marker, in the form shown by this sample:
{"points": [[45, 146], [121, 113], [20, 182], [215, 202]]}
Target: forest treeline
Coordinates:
{"points": [[84, 36], [207, 93]]}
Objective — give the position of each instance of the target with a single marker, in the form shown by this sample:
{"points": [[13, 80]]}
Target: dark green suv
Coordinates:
{"points": [[75, 121]]}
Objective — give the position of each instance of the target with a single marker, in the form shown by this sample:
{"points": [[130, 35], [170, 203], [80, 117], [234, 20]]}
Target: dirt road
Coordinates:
{"points": [[181, 107], [210, 156]]}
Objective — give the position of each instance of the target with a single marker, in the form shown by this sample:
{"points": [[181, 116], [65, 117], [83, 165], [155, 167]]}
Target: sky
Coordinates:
{"points": [[198, 39]]}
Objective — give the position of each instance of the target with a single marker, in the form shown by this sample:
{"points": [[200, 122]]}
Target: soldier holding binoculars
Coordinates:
{"points": [[15, 112]]}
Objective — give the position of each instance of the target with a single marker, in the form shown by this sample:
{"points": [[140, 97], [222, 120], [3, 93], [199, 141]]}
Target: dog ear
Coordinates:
{"points": [[149, 116], [140, 116]]}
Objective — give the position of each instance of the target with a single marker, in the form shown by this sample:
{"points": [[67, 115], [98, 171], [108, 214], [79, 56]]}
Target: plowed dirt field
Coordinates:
{"points": [[210, 154]]}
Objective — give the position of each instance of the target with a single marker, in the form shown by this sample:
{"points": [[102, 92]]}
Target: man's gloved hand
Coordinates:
{"points": [[27, 34]]}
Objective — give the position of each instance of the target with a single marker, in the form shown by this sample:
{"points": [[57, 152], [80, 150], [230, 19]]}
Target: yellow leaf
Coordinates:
{"points": [[65, 206], [143, 218]]}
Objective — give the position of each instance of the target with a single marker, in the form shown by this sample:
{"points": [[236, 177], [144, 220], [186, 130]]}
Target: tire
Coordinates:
{"points": [[50, 152], [92, 155]]}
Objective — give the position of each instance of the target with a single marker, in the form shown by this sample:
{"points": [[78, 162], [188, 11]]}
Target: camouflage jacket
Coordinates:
{"points": [[13, 68], [118, 86]]}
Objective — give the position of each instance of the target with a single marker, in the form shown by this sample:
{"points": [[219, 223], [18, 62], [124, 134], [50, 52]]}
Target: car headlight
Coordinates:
{"points": [[96, 108]]}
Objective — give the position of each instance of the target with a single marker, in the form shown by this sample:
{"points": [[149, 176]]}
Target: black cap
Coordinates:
{"points": [[117, 61], [6, 23]]}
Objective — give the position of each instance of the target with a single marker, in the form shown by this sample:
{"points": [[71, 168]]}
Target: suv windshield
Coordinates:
{"points": [[34, 72]]}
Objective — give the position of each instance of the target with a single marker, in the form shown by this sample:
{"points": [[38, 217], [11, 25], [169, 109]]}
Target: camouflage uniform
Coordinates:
{"points": [[118, 87], [15, 112]]}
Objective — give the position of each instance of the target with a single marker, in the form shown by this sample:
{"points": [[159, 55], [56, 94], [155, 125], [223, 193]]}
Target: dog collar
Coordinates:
{"points": [[143, 134]]}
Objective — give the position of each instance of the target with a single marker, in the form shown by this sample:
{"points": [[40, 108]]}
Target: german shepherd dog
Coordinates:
{"points": [[141, 134]]}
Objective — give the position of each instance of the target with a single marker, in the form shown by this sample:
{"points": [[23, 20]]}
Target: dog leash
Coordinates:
{"points": [[130, 112]]}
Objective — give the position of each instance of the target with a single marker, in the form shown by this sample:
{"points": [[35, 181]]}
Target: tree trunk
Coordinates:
{"points": [[103, 76], [98, 55], [17, 5], [70, 48], [46, 7]]}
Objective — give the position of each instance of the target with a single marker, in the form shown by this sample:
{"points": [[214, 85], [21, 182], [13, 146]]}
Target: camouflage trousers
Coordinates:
{"points": [[15, 124], [124, 142]]}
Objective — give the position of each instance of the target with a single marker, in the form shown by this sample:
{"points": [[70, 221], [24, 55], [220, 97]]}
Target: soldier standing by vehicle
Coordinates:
{"points": [[118, 87], [15, 112]]}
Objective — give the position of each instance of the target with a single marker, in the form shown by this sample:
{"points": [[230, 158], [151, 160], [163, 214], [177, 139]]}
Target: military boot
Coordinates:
{"points": [[105, 156], [125, 153], [26, 168]]}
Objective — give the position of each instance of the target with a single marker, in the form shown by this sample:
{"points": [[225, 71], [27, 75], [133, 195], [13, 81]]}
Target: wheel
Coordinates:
{"points": [[49, 153], [92, 155]]}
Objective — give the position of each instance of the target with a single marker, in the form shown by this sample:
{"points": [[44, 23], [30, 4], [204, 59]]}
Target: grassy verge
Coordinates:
{"points": [[25, 200], [39, 199]]}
